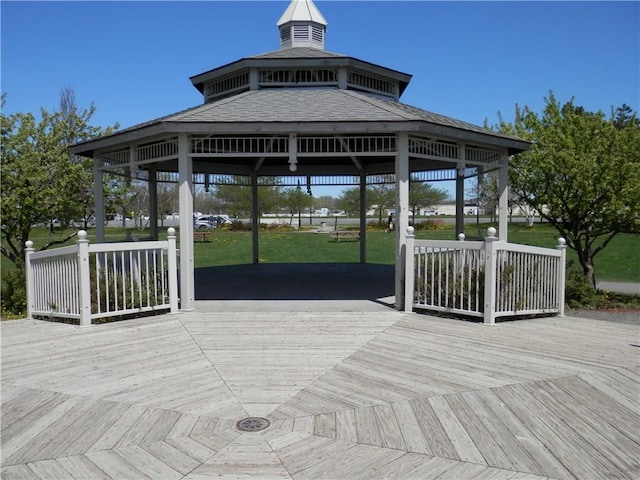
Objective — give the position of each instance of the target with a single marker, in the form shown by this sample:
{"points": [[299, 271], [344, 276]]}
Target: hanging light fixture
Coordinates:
{"points": [[293, 152]]}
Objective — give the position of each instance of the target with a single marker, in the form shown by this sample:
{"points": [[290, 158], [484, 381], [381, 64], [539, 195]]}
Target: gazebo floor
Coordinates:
{"points": [[361, 394]]}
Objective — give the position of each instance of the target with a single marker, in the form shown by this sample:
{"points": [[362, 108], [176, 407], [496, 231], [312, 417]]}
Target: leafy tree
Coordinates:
{"points": [[485, 192], [296, 201], [582, 173], [349, 201], [624, 116], [40, 179], [237, 196], [423, 195], [383, 195], [167, 200]]}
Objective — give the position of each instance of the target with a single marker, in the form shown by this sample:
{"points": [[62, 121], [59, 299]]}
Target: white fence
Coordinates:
{"points": [[487, 279], [86, 282]]}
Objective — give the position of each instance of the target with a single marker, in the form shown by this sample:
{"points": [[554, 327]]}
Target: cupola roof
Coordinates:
{"points": [[302, 11]]}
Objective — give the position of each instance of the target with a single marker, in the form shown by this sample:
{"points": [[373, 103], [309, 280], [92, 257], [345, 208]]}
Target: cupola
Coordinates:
{"points": [[302, 25]]}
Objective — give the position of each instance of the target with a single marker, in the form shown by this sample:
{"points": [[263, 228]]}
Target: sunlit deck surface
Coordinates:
{"points": [[363, 394]]}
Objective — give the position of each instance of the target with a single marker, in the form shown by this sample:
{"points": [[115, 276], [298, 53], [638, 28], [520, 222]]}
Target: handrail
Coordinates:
{"points": [[487, 279], [85, 282]]}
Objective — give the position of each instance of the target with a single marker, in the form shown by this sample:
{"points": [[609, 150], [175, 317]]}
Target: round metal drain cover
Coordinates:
{"points": [[253, 424]]}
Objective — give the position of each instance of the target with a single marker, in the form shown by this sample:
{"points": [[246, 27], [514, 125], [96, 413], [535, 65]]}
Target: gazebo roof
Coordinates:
{"points": [[299, 57], [305, 91], [317, 110]]}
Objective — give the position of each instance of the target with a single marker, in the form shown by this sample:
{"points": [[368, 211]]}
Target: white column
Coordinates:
{"points": [[255, 218], [98, 197], [459, 201], [562, 275], [503, 189], [402, 212], [460, 168], [490, 272], [172, 266], [153, 203], [28, 270], [363, 217], [410, 280], [185, 196], [84, 281]]}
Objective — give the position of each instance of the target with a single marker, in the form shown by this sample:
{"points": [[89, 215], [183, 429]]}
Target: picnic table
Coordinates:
{"points": [[339, 235], [201, 236]]}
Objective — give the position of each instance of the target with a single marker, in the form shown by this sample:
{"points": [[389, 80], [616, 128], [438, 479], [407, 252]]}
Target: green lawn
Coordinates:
{"points": [[620, 261]]}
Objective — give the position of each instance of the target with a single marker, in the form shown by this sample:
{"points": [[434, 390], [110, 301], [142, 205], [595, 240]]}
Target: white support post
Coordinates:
{"points": [[460, 170], [185, 194], [172, 266], [343, 78], [402, 213], [28, 268], [255, 218], [153, 203], [254, 83], [503, 190], [98, 198], [363, 217], [490, 272], [459, 201], [84, 279], [562, 275], [409, 275]]}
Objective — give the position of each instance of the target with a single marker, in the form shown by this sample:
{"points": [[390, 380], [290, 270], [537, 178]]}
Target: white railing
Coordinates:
{"points": [[86, 282], [487, 279]]}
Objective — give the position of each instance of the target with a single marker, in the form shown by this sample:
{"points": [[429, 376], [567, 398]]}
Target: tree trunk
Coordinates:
{"points": [[586, 261]]}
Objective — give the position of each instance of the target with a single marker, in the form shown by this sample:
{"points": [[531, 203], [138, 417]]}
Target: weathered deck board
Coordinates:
{"points": [[375, 395]]}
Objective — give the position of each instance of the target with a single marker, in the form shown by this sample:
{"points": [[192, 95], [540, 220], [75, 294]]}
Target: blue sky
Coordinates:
{"points": [[469, 60]]}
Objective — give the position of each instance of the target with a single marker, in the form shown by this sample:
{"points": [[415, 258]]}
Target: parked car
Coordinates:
{"points": [[79, 222], [206, 221]]}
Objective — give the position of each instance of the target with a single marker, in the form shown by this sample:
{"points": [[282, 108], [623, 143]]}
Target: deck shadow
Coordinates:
{"points": [[295, 281]]}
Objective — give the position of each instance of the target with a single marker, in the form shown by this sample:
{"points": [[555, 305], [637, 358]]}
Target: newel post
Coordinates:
{"points": [[409, 272], [172, 261], [84, 279], [562, 274], [490, 272], [28, 269]]}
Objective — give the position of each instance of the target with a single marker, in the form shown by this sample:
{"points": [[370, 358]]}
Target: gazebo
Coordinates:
{"points": [[303, 115]]}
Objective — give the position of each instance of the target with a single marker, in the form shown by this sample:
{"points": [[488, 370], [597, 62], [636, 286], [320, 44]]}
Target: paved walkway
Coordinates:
{"points": [[632, 288], [352, 390]]}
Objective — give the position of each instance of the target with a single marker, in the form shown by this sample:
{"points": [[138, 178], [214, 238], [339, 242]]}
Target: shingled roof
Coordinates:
{"points": [[320, 105], [308, 90]]}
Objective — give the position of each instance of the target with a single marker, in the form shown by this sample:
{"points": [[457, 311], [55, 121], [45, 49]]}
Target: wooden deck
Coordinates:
{"points": [[350, 395]]}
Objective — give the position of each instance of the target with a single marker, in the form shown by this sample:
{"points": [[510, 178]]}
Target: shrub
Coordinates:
{"points": [[578, 291], [238, 226], [430, 225], [14, 294]]}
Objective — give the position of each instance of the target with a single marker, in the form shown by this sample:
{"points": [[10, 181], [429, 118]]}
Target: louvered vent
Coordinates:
{"points": [[285, 36], [300, 32], [295, 76], [226, 86], [317, 35], [372, 84]]}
